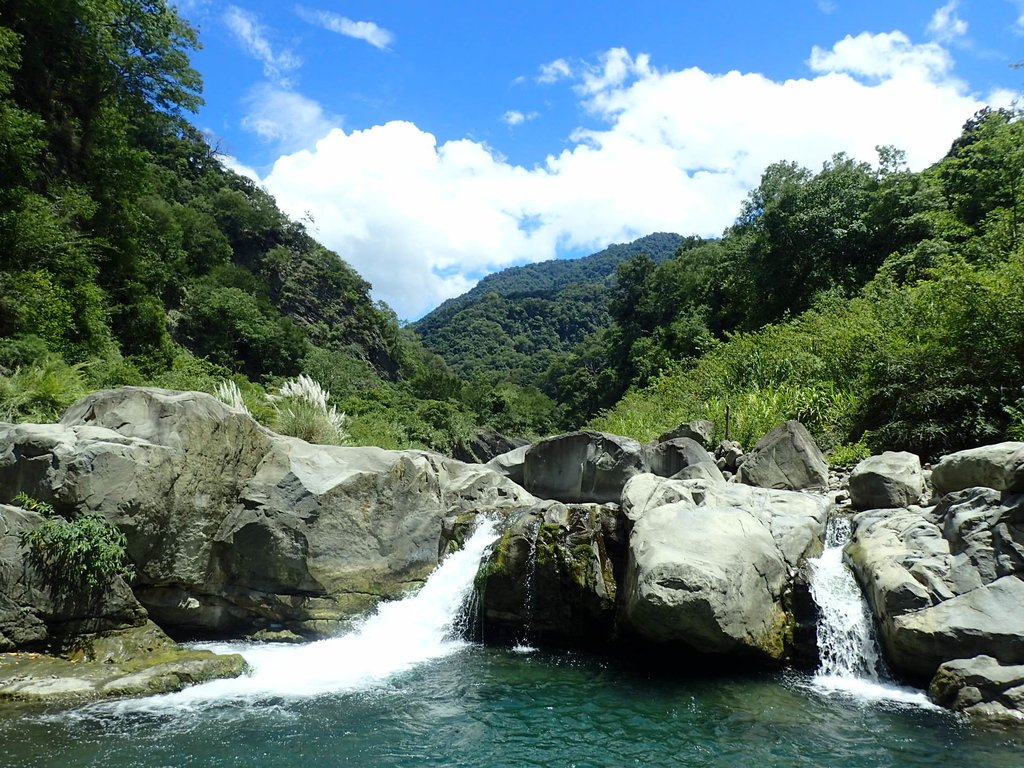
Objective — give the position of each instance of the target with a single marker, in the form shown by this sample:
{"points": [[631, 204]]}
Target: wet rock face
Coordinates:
{"points": [[550, 578], [945, 583], [233, 528]]}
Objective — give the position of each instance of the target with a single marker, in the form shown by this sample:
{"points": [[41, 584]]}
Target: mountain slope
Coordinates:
{"points": [[514, 323]]}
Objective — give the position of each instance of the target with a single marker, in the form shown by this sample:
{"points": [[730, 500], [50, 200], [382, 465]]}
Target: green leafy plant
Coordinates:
{"points": [[78, 556], [848, 454]]}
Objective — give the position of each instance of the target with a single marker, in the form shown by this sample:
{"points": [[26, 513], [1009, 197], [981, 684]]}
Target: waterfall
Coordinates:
{"points": [[395, 638], [849, 651], [846, 634]]}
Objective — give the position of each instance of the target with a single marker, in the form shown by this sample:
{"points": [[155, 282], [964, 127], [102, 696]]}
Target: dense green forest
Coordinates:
{"points": [[883, 307], [130, 255], [514, 324]]}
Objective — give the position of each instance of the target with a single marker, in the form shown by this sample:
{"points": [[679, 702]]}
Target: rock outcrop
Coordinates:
{"points": [[945, 583], [235, 529], [581, 467], [889, 480], [711, 566], [73, 646], [787, 458], [999, 466]]}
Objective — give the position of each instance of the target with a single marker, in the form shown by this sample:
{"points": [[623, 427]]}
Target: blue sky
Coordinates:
{"points": [[432, 143]]}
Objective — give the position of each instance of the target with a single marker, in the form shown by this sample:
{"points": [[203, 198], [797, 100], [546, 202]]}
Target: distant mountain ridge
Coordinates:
{"points": [[514, 322]]}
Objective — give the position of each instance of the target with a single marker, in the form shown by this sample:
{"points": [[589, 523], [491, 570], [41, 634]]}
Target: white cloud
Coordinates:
{"points": [[366, 31], [885, 55], [286, 118], [246, 28], [515, 117], [945, 24], [827, 6], [678, 151], [554, 71]]}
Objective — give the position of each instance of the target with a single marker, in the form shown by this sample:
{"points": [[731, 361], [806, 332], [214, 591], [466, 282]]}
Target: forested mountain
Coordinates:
{"points": [[130, 255], [514, 324]]}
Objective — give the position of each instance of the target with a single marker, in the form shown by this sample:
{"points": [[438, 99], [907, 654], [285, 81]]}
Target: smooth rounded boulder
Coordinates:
{"points": [[886, 481], [999, 466], [714, 572], [580, 467]]}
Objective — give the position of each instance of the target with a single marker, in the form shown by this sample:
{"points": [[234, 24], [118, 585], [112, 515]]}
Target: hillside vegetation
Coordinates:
{"points": [[883, 308], [130, 255]]}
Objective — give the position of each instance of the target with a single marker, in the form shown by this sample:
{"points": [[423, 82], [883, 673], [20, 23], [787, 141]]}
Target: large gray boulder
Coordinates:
{"points": [[580, 467], [670, 457], [944, 584], [889, 480], [981, 687], [700, 431], [235, 529], [711, 566], [787, 458], [999, 466]]}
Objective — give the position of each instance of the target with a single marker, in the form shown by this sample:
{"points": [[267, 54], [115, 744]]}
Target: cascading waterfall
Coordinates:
{"points": [[847, 645], [398, 636], [846, 636]]}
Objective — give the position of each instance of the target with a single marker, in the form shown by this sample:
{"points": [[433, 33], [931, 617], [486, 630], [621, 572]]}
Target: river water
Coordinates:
{"points": [[399, 691]]}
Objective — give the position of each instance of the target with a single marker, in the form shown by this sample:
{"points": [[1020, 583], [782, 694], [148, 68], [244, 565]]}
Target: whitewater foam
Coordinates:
{"points": [[395, 638]]}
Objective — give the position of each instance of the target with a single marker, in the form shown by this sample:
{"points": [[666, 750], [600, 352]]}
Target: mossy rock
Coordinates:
{"points": [[140, 661]]}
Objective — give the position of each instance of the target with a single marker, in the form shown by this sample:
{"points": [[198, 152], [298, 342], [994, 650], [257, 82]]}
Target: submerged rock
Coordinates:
{"points": [[138, 661], [981, 687]]}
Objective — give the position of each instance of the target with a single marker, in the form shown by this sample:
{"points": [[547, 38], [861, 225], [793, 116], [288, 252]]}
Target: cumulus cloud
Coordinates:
{"points": [[367, 31], [287, 118], [881, 56], [671, 151], [515, 117], [246, 28], [946, 25], [554, 71]]}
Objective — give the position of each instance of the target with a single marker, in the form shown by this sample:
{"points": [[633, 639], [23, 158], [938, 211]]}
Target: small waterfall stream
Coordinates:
{"points": [[397, 637], [850, 659], [523, 646]]}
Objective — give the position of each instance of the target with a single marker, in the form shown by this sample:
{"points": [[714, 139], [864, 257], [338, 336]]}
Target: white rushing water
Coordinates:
{"points": [[397, 637], [850, 660]]}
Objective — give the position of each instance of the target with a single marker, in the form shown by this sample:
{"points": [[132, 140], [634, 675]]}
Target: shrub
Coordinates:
{"points": [[302, 410], [77, 556]]}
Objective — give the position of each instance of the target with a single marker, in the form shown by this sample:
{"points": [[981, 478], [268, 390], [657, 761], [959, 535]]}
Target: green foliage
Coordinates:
{"points": [[40, 392], [848, 454], [77, 556]]}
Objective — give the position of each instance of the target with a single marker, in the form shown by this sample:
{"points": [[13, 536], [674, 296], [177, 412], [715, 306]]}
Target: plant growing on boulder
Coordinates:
{"points": [[74, 556]]}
